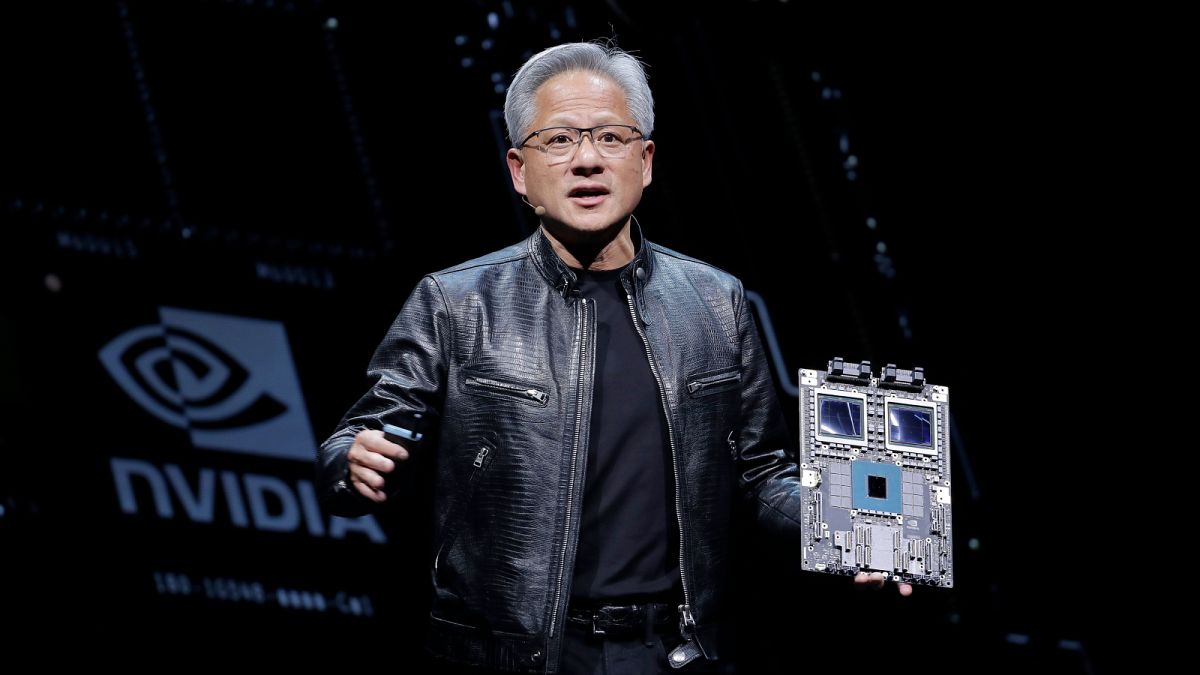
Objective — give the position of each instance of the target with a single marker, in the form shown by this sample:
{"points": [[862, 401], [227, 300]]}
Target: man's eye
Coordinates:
{"points": [[559, 139], [609, 137]]}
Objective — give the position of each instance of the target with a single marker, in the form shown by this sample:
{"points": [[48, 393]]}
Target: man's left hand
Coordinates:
{"points": [[875, 581]]}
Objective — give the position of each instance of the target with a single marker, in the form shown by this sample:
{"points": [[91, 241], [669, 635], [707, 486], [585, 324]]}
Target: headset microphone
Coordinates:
{"points": [[539, 211]]}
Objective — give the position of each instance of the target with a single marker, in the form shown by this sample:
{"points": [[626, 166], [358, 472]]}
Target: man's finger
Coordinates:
{"points": [[873, 580], [876, 580], [365, 490], [367, 477], [373, 440], [371, 460]]}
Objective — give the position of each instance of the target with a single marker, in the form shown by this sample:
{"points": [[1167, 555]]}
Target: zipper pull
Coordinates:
{"points": [[687, 624], [684, 654], [479, 457], [688, 651]]}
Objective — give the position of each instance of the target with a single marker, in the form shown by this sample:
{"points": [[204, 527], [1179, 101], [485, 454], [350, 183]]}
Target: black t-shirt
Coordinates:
{"points": [[628, 538]]}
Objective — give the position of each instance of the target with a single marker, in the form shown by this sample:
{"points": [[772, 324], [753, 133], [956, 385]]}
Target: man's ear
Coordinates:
{"points": [[516, 167], [647, 163]]}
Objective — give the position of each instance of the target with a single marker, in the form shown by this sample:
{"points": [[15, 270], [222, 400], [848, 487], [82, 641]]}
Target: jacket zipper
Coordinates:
{"points": [[496, 385], [479, 463], [696, 385], [687, 623], [582, 336]]}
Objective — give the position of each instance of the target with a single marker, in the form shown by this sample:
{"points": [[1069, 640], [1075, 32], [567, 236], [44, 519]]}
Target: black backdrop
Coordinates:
{"points": [[277, 176]]}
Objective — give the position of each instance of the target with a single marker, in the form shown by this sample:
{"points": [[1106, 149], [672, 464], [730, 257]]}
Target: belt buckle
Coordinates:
{"points": [[596, 628]]}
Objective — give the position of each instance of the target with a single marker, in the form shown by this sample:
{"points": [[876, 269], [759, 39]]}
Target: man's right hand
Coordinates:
{"points": [[369, 457]]}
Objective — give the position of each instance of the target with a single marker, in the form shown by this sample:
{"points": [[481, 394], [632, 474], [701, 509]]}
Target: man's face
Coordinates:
{"points": [[611, 187]]}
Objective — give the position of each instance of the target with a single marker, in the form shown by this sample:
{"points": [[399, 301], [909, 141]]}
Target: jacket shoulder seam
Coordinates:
{"points": [[659, 248], [449, 318], [470, 265], [731, 278]]}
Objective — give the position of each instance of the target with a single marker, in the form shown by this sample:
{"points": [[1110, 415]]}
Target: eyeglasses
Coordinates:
{"points": [[559, 143]]}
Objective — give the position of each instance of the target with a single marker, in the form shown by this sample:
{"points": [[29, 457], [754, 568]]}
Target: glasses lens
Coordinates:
{"points": [[612, 141], [609, 141], [559, 140]]}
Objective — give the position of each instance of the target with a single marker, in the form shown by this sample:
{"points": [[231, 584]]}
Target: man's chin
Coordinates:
{"points": [[586, 230]]}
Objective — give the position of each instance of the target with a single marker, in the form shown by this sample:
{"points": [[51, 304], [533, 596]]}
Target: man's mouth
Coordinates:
{"points": [[588, 196]]}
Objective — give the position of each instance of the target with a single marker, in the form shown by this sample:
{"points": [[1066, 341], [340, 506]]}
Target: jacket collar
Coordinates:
{"points": [[563, 279]]}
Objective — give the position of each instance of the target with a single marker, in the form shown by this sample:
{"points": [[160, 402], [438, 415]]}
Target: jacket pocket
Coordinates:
{"points": [[495, 388], [459, 509], [451, 626], [713, 381]]}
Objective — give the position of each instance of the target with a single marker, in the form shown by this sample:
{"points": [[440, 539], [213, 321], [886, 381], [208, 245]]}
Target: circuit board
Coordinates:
{"points": [[875, 470]]}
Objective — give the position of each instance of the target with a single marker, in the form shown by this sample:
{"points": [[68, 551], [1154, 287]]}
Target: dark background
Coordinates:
{"points": [[895, 190]]}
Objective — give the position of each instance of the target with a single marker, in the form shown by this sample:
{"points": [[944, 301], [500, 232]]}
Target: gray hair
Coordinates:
{"points": [[597, 57]]}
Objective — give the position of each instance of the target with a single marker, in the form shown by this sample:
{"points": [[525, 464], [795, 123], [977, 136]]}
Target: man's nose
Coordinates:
{"points": [[586, 158]]}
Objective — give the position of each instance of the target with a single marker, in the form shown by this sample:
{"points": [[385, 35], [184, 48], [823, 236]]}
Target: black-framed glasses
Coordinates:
{"points": [[610, 140]]}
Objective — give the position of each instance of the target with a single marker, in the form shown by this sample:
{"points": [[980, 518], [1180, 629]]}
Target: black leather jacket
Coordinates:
{"points": [[499, 350]]}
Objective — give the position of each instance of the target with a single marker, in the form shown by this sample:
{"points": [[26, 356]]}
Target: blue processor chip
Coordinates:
{"points": [[876, 487]]}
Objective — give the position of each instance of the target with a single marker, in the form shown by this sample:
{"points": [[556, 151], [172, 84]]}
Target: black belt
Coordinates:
{"points": [[625, 620]]}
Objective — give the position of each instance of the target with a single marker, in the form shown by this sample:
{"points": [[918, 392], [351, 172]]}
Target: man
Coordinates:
{"points": [[600, 402]]}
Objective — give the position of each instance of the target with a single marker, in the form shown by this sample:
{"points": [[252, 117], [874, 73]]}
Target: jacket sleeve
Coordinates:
{"points": [[407, 374], [766, 466]]}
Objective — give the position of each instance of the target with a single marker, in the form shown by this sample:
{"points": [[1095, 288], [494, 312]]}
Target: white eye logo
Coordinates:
{"points": [[228, 380]]}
